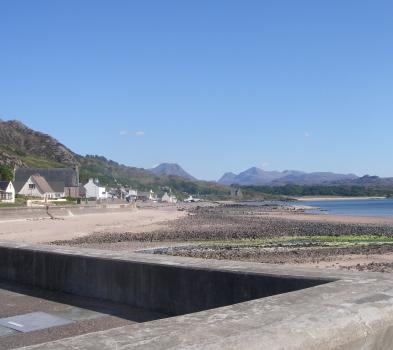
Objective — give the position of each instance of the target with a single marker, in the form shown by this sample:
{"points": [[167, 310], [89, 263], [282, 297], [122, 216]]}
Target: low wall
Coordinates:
{"points": [[173, 290]]}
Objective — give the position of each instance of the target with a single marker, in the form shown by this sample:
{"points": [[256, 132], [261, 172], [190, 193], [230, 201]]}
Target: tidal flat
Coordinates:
{"points": [[261, 233]]}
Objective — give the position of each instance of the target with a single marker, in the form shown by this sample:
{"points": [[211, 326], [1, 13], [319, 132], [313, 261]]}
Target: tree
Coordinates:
{"points": [[6, 173]]}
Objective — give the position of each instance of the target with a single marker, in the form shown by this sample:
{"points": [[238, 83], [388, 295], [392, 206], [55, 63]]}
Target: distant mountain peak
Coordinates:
{"points": [[171, 169], [227, 179], [254, 170]]}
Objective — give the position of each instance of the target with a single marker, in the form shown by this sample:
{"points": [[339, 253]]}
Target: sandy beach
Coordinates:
{"points": [[46, 230]]}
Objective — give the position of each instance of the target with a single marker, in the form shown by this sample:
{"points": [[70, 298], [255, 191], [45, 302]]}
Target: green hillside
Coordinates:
{"points": [[112, 173], [21, 146]]}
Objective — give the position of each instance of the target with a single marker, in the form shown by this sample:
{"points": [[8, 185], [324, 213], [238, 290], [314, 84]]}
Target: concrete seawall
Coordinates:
{"points": [[173, 290], [339, 310]]}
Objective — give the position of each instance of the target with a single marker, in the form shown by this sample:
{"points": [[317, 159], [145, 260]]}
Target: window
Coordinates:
{"points": [[5, 195], [31, 186]]}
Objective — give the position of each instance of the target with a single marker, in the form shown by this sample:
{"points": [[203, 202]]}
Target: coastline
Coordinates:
{"points": [[232, 230], [156, 218], [331, 198]]}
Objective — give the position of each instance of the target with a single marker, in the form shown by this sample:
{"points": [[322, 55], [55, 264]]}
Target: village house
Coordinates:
{"points": [[112, 193], [7, 192], [168, 198], [95, 190], [236, 192], [146, 196], [63, 181], [82, 191], [131, 195], [37, 186]]}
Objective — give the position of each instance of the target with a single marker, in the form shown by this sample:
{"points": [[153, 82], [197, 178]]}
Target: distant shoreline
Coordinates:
{"points": [[319, 199]]}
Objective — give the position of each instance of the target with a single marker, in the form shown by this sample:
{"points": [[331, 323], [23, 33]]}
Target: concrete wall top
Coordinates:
{"points": [[353, 312]]}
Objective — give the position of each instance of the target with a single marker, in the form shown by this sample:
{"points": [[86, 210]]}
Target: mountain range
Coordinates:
{"points": [[21, 146], [258, 177]]}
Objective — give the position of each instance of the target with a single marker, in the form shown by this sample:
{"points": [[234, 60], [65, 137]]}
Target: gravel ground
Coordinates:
{"points": [[337, 257], [234, 222], [237, 222]]}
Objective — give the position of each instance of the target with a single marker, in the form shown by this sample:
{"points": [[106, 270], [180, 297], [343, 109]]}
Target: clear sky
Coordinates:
{"points": [[214, 85]]}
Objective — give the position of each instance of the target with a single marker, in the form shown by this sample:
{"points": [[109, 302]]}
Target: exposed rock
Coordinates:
{"points": [[18, 141], [8, 159]]}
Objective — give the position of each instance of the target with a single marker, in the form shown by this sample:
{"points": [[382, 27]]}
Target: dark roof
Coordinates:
{"points": [[4, 185], [144, 194], [57, 178]]}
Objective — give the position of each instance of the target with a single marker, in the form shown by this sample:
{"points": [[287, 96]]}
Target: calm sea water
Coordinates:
{"points": [[366, 207]]}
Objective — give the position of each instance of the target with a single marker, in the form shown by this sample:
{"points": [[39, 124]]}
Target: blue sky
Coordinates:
{"points": [[214, 85]]}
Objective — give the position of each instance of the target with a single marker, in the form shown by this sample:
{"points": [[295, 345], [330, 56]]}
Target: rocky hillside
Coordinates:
{"points": [[21, 146]]}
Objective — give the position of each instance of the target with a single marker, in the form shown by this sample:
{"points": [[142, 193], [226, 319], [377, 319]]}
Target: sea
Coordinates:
{"points": [[358, 207]]}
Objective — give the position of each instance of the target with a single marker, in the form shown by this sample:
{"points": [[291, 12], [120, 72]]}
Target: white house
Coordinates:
{"points": [[168, 198], [146, 196], [131, 195], [63, 181], [37, 186], [94, 190], [7, 192]]}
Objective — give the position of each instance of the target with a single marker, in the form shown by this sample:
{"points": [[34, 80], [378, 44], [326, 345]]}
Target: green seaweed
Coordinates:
{"points": [[299, 241]]}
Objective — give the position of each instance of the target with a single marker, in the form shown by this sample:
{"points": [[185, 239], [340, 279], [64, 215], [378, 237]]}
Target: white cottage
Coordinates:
{"points": [[37, 186], [168, 198], [94, 190], [63, 181], [146, 196], [131, 195], [7, 192]]}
